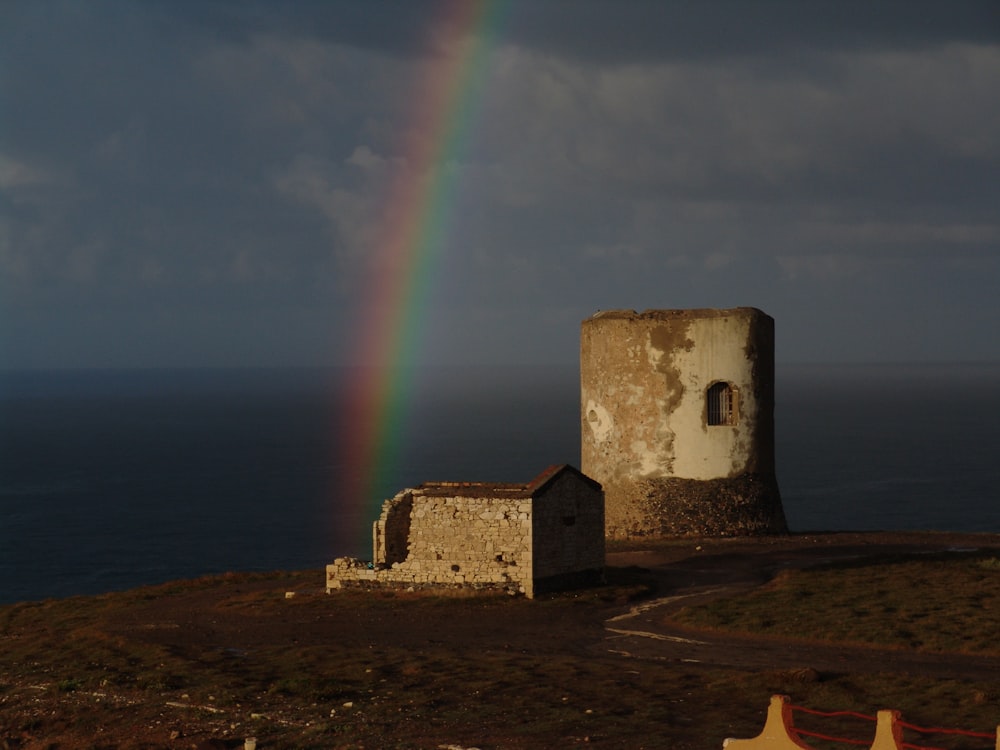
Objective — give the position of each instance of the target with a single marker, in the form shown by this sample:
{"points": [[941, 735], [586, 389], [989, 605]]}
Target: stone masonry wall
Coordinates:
{"points": [[478, 542], [646, 433], [747, 505], [568, 533], [391, 532]]}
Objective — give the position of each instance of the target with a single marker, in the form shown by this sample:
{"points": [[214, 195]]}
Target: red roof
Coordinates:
{"points": [[501, 489]]}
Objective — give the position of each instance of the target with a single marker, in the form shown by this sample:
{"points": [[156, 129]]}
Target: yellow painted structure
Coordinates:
{"points": [[779, 731], [888, 733]]}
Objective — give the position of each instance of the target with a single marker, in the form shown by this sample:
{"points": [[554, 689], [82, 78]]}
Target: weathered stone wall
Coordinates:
{"points": [[518, 538], [568, 536], [747, 505], [391, 532], [478, 542], [645, 421]]}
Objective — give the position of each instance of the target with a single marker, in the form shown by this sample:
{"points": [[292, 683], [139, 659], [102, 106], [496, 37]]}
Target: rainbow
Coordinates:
{"points": [[416, 220]]}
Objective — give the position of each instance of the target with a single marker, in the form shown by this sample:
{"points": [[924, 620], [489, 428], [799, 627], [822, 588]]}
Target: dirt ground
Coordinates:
{"points": [[251, 636]]}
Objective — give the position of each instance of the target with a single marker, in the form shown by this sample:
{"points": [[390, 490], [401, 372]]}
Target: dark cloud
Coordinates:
{"points": [[631, 31], [205, 182], [644, 30], [395, 27]]}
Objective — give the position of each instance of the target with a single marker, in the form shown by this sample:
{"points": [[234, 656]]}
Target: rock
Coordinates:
{"points": [[804, 675]]}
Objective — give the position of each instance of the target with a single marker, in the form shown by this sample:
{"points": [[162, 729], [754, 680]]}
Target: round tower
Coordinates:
{"points": [[677, 412]]}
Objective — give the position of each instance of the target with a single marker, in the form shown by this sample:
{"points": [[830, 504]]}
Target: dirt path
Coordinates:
{"points": [[723, 568]]}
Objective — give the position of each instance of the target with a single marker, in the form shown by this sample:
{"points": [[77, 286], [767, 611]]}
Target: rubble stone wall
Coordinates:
{"points": [[748, 505], [391, 532], [471, 542]]}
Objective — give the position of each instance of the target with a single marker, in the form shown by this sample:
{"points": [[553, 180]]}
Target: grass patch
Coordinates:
{"points": [[942, 603]]}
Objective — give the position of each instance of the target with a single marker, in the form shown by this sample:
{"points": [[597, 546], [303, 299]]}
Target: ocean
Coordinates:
{"points": [[114, 479]]}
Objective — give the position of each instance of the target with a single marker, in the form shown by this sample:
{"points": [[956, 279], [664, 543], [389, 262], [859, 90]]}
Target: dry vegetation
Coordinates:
{"points": [[948, 603], [215, 660]]}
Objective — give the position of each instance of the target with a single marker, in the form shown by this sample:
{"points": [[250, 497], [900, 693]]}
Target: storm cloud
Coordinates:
{"points": [[204, 183]]}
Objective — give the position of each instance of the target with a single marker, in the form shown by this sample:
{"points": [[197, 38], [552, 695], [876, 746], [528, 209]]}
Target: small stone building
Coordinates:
{"points": [[677, 413], [525, 539]]}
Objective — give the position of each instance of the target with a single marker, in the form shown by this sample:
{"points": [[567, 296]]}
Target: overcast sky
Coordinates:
{"points": [[200, 183]]}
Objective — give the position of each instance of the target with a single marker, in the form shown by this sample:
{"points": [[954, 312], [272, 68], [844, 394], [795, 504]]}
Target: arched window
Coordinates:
{"points": [[723, 404]]}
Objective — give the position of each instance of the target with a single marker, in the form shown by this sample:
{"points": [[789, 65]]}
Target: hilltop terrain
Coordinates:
{"points": [[207, 663]]}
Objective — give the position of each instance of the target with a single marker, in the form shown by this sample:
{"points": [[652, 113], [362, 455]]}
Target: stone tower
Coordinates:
{"points": [[678, 421]]}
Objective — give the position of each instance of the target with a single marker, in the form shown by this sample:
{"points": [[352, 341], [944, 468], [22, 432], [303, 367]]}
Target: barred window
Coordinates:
{"points": [[722, 404]]}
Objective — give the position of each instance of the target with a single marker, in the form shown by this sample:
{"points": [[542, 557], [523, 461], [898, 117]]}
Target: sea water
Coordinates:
{"points": [[113, 479]]}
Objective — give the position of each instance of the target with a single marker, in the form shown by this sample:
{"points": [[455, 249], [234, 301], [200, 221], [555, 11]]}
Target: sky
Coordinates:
{"points": [[192, 184]]}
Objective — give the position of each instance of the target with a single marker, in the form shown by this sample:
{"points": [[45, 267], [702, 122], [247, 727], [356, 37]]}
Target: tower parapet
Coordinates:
{"points": [[677, 411]]}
